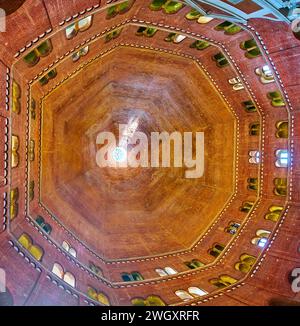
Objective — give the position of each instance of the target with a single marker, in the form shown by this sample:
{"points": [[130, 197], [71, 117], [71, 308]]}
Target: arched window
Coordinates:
{"points": [[151, 300], [80, 26], [204, 19], [69, 279], [254, 129], [193, 264], [95, 269], [154, 300], [280, 186], [32, 108], [58, 270], [282, 129], [14, 151], [169, 7], [276, 99], [138, 302], [170, 271], [161, 272], [69, 249], [274, 213], [81, 53], [236, 83], [254, 157], [33, 57], [31, 190], [31, 150], [282, 158], [216, 250], [126, 277], [200, 45], [232, 228], [266, 75], [66, 246], [175, 38], [14, 205], [196, 292], [16, 96], [102, 298], [113, 35], [252, 184], [196, 15], [166, 271], [73, 252], [251, 48], [183, 295], [229, 28], [50, 75], [245, 264], [92, 293], [146, 31], [193, 15], [223, 281], [132, 277], [246, 206], [249, 106], [37, 252], [179, 38], [261, 238], [43, 225], [137, 276], [47, 228], [118, 9], [221, 60], [26, 242], [40, 221]]}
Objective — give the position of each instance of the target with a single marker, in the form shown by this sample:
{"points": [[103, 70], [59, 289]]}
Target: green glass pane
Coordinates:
{"points": [[43, 81], [223, 25], [170, 37], [193, 14], [233, 29], [171, 7], [137, 276], [40, 220], [253, 53], [154, 301], [248, 44], [157, 4], [278, 102], [222, 62], [197, 263], [123, 7], [141, 30], [150, 31], [52, 73], [138, 302], [218, 56], [44, 48], [31, 58], [111, 12], [202, 45]]}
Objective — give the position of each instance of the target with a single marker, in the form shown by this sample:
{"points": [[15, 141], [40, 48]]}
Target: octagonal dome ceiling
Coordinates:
{"points": [[124, 213]]}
